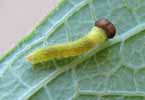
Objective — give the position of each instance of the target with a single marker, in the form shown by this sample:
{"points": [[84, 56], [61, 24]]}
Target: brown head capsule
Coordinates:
{"points": [[107, 26]]}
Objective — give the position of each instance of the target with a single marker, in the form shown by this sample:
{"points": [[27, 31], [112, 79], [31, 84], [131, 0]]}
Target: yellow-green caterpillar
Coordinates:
{"points": [[102, 30]]}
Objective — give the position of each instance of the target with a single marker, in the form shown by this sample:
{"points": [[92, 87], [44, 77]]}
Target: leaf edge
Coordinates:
{"points": [[30, 35]]}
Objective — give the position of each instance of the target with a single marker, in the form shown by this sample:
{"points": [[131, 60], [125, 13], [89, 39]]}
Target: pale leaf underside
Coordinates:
{"points": [[113, 71]]}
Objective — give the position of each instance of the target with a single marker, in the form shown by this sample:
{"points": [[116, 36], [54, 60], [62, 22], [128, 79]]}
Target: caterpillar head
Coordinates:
{"points": [[107, 26]]}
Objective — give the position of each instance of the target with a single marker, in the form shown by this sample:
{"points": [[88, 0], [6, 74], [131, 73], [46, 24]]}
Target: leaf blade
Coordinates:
{"points": [[102, 69]]}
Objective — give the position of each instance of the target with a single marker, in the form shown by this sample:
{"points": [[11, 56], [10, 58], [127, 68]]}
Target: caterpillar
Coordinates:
{"points": [[102, 31]]}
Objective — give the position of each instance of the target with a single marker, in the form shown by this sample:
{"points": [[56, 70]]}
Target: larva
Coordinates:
{"points": [[102, 30]]}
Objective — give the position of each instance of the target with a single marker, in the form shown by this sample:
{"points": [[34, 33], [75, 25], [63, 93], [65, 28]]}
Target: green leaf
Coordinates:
{"points": [[113, 71]]}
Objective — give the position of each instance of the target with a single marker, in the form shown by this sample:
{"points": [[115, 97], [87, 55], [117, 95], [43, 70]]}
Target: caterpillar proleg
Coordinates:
{"points": [[102, 30]]}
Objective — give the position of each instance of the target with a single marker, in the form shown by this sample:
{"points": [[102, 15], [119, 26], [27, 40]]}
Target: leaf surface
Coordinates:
{"points": [[113, 71]]}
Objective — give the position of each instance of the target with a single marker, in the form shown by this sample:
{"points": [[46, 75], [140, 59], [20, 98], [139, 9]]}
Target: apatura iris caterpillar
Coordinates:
{"points": [[102, 31]]}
